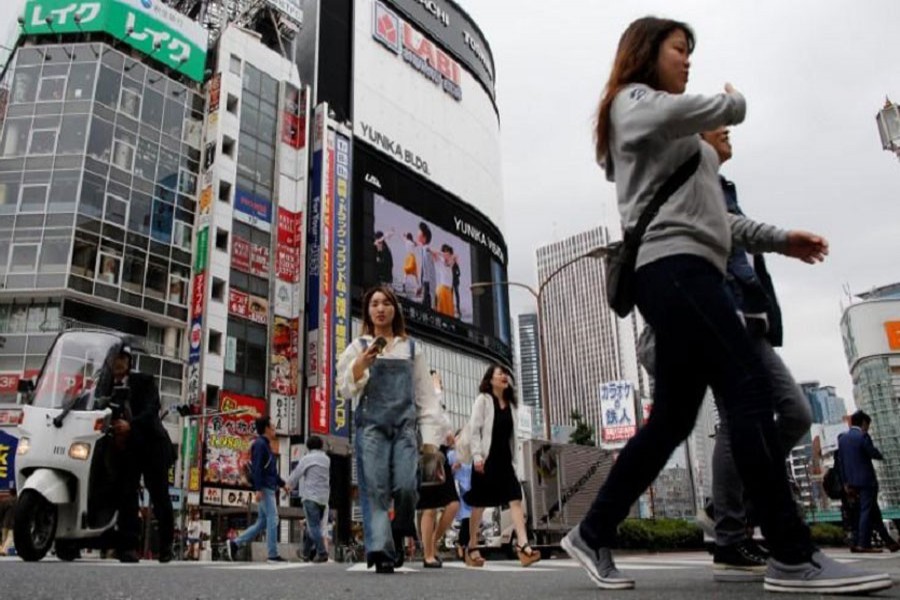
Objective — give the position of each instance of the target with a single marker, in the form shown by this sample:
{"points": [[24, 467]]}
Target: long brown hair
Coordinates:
{"points": [[398, 325], [509, 394], [635, 62]]}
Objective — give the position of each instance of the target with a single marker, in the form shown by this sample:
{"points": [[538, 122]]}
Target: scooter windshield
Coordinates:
{"points": [[76, 371]]}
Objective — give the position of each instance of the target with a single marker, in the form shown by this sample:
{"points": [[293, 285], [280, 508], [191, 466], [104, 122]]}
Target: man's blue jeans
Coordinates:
{"points": [[267, 519], [314, 541]]}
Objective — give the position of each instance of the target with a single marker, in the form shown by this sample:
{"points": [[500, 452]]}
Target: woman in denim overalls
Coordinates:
{"points": [[394, 405]]}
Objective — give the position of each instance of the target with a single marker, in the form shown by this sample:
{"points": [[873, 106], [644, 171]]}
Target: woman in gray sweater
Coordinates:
{"points": [[647, 127]]}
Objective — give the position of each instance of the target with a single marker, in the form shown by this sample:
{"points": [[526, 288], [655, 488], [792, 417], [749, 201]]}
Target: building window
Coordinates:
{"points": [[215, 342], [52, 89], [123, 155], [72, 134], [23, 258], [108, 269], [133, 271], [182, 235], [232, 104], [221, 240], [15, 136], [161, 225], [228, 146], [157, 281], [130, 102], [43, 141], [33, 198], [178, 289], [25, 83], [235, 65], [218, 289], [54, 255], [224, 192], [116, 209]]}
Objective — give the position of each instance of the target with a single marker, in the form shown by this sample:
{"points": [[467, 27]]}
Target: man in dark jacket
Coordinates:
{"points": [[148, 453], [266, 482], [856, 452], [736, 556]]}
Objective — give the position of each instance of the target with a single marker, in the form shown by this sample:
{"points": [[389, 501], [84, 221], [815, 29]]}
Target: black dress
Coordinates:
{"points": [[498, 485]]}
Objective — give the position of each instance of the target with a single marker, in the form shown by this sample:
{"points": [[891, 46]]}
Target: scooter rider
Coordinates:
{"points": [[147, 452]]}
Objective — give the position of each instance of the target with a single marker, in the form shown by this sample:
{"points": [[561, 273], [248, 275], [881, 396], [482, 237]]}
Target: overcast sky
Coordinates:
{"points": [[808, 155]]}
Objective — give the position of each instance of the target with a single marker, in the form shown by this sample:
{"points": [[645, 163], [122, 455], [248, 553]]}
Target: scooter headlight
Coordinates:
{"points": [[79, 451], [24, 446]]}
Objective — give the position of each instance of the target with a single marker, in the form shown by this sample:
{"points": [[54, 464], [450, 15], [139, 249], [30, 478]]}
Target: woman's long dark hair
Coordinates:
{"points": [[398, 325], [635, 62], [509, 395]]}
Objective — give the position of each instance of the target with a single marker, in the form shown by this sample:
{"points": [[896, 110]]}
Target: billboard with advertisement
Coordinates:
{"points": [[429, 247], [420, 98], [252, 209], [227, 441], [618, 422], [148, 26]]}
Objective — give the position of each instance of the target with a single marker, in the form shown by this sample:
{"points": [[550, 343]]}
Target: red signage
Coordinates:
{"points": [[289, 232], [259, 260], [197, 294], [240, 254], [239, 303]]}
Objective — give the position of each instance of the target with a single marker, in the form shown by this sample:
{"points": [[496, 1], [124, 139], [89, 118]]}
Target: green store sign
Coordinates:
{"points": [[148, 26]]}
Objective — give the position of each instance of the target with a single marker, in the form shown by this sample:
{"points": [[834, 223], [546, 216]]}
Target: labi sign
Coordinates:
{"points": [[148, 26]]}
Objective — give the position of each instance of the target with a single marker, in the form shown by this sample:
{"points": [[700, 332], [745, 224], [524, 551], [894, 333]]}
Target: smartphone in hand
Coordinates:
{"points": [[380, 343]]}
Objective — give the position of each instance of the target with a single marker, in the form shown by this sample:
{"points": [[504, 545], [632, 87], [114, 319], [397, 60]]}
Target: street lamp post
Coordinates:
{"points": [[599, 252]]}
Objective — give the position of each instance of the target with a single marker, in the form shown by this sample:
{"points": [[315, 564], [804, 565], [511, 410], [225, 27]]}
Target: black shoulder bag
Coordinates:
{"points": [[622, 256]]}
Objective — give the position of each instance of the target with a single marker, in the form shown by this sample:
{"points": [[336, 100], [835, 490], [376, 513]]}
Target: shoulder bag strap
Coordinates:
{"points": [[669, 187]]}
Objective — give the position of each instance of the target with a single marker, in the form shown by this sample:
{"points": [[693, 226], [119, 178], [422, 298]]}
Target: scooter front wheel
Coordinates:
{"points": [[34, 526]]}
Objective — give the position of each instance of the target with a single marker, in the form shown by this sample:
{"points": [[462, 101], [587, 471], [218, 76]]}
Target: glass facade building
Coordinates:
{"points": [[99, 161]]}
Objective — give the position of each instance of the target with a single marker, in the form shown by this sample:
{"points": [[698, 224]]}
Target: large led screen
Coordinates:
{"points": [[430, 248]]}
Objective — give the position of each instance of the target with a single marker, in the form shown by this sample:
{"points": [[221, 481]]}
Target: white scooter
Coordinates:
{"points": [[66, 457]]}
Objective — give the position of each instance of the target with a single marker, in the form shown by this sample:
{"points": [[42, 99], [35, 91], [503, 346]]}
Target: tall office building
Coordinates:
{"points": [[827, 407], [529, 368], [870, 328], [587, 345]]}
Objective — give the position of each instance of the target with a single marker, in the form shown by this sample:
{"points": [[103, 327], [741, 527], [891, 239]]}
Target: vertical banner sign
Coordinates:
{"points": [[326, 283], [318, 415], [341, 260], [617, 419]]}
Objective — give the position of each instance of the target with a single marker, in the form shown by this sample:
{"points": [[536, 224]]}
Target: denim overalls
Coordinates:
{"points": [[387, 455]]}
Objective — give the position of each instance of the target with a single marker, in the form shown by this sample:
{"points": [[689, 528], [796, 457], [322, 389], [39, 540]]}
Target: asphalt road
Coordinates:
{"points": [[682, 576]]}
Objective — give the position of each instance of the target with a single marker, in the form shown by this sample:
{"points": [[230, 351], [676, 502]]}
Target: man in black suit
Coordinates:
{"points": [[856, 452], [147, 452]]}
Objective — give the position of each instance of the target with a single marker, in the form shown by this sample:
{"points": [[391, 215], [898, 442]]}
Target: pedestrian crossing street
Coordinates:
{"points": [[626, 562]]}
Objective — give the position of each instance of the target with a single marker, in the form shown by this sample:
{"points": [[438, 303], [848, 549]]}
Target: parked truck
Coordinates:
{"points": [[560, 481]]}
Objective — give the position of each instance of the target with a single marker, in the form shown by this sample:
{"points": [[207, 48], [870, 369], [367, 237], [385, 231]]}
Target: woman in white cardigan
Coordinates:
{"points": [[492, 430]]}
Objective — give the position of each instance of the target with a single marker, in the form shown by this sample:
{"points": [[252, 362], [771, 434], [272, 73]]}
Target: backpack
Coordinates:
{"points": [[832, 481]]}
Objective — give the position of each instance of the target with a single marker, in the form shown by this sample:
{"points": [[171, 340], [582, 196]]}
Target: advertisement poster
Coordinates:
{"points": [[8, 445], [240, 254], [618, 422], [252, 209], [316, 274], [228, 440], [283, 411]]}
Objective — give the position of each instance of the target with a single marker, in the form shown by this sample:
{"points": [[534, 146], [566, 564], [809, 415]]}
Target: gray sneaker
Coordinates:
{"points": [[598, 563], [822, 575]]}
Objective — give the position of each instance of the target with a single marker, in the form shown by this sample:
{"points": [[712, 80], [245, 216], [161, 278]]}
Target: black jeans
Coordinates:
{"points": [[700, 343]]}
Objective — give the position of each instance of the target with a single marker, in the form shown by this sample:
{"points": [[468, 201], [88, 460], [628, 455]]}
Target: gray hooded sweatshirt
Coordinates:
{"points": [[652, 133]]}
